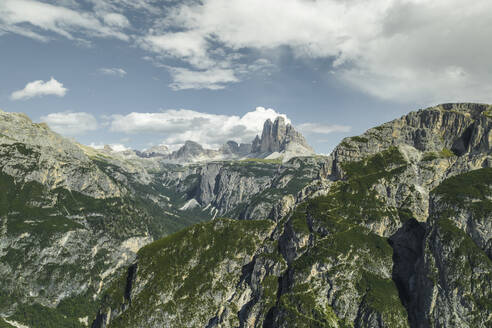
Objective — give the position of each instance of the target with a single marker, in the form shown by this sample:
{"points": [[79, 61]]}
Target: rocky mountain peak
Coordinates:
{"points": [[280, 137], [155, 151], [474, 109], [190, 148]]}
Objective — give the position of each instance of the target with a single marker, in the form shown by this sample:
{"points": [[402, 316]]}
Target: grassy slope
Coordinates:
{"points": [[188, 271], [334, 221]]}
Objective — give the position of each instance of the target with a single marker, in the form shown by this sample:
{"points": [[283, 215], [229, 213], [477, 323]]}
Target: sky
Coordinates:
{"points": [[140, 73]]}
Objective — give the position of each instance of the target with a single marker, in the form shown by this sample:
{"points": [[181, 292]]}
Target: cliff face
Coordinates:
{"points": [[72, 218], [391, 230], [278, 140], [455, 272], [32, 152], [394, 232], [281, 138]]}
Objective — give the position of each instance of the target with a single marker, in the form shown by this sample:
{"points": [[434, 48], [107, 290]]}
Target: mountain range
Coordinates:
{"points": [[393, 229], [278, 140]]}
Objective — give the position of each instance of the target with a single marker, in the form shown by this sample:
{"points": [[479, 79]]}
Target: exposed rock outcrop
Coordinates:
{"points": [[400, 237], [391, 230], [280, 139]]}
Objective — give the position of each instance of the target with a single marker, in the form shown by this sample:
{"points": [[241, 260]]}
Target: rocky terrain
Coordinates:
{"points": [[73, 217], [393, 229], [278, 140], [398, 236]]}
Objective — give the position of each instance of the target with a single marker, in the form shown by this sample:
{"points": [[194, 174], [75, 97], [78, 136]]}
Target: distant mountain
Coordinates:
{"points": [[393, 229], [278, 140], [155, 151], [396, 233], [72, 217]]}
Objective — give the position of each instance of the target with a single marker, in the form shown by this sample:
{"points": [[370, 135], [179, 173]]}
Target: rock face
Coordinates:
{"points": [[398, 235], [155, 151], [32, 152], [391, 230], [72, 217], [280, 139], [232, 148]]}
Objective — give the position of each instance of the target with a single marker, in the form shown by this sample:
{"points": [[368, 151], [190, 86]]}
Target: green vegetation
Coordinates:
{"points": [[79, 306], [345, 144], [444, 153], [356, 239], [342, 244], [353, 201], [487, 113], [471, 191], [464, 259], [4, 324], [269, 288], [359, 139], [277, 160], [300, 309], [465, 266], [255, 167], [382, 296], [188, 264], [37, 316], [463, 188]]}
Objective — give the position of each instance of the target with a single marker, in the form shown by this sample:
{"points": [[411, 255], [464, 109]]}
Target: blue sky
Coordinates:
{"points": [[146, 72]]}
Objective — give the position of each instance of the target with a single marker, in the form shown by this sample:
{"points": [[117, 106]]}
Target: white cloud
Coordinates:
{"points": [[117, 20], [114, 147], [40, 88], [70, 123], [404, 50], [320, 128], [212, 79], [211, 130], [120, 72], [190, 46], [32, 18]]}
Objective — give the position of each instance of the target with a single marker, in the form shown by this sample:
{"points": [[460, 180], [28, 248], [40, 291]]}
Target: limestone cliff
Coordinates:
{"points": [[280, 139], [400, 237], [391, 230]]}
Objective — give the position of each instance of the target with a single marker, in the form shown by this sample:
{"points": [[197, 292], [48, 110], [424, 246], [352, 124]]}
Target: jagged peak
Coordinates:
{"points": [[445, 130], [191, 144]]}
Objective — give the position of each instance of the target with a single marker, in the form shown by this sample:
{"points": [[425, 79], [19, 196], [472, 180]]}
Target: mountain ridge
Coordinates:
{"points": [[372, 211], [369, 227], [278, 140]]}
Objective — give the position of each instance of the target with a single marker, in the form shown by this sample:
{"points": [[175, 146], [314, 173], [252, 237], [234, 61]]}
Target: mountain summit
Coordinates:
{"points": [[393, 229], [280, 139]]}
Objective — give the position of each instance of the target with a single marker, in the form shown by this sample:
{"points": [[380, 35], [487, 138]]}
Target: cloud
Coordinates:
{"points": [[211, 130], [33, 18], [114, 147], [190, 46], [320, 128], [71, 123], [212, 79], [116, 20], [402, 50], [40, 88], [120, 72]]}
